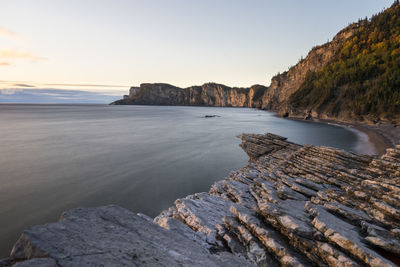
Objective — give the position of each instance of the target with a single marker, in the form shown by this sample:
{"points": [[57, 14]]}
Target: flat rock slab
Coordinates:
{"points": [[111, 236]]}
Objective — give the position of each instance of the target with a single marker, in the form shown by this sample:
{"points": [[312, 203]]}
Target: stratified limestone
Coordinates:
{"points": [[291, 205], [112, 236]]}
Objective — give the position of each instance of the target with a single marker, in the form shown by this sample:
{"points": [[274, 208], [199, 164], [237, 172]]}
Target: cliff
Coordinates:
{"points": [[292, 205], [277, 96], [354, 77], [209, 94]]}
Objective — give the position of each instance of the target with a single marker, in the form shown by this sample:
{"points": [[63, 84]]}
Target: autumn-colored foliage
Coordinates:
{"points": [[363, 79]]}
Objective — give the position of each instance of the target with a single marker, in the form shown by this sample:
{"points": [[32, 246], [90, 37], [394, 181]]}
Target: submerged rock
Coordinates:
{"points": [[291, 205]]}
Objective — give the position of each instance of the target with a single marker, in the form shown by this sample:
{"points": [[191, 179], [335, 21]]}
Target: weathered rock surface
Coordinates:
{"points": [[209, 94], [112, 236], [291, 205]]}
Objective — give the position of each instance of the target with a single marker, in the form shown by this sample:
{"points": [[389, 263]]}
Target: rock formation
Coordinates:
{"points": [[282, 86], [209, 94], [292, 205]]}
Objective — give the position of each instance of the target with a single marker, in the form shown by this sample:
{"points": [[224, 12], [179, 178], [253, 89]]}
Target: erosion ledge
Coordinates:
{"points": [[292, 205]]}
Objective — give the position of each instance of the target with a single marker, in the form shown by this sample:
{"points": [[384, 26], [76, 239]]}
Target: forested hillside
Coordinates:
{"points": [[363, 78]]}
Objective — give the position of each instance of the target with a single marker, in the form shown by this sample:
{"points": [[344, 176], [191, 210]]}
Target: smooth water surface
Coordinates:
{"points": [[57, 157]]}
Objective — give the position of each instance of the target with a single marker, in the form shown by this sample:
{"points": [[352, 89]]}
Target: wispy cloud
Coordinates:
{"points": [[29, 83], [84, 85], [104, 89], [23, 85], [10, 35], [10, 55], [18, 54], [20, 95], [5, 92]]}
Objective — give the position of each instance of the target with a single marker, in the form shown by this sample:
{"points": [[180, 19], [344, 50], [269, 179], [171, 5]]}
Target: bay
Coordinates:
{"points": [[58, 157]]}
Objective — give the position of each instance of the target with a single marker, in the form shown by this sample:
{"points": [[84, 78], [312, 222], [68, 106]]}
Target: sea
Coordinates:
{"points": [[57, 157]]}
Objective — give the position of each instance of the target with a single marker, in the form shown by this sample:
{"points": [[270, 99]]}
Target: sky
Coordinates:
{"points": [[106, 46]]}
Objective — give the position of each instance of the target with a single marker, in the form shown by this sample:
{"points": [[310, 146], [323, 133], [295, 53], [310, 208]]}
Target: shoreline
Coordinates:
{"points": [[382, 136], [377, 140]]}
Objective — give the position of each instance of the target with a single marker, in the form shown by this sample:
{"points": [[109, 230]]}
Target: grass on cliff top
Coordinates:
{"points": [[363, 79]]}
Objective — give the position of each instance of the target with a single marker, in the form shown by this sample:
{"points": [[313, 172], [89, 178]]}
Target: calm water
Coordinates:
{"points": [[57, 157]]}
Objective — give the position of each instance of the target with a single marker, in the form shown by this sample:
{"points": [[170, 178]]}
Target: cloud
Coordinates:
{"points": [[85, 85], [105, 89], [23, 85], [7, 34], [31, 84], [12, 54], [9, 91], [17, 54], [20, 95]]}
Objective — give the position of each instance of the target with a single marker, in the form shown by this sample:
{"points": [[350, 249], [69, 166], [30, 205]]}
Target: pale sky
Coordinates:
{"points": [[122, 43]]}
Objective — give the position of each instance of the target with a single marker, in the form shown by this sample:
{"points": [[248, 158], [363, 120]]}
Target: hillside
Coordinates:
{"points": [[362, 81]]}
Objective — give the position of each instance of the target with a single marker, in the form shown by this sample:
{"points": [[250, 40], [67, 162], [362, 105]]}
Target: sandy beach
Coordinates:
{"points": [[381, 136]]}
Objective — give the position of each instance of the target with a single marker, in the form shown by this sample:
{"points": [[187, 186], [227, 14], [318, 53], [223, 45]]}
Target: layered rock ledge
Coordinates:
{"points": [[292, 205]]}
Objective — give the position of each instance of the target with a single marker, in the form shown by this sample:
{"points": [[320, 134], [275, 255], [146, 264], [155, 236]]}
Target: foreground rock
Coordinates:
{"points": [[111, 236], [291, 205]]}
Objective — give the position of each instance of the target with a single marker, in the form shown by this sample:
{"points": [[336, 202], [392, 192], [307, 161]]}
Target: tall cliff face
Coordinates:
{"points": [[276, 97], [209, 94]]}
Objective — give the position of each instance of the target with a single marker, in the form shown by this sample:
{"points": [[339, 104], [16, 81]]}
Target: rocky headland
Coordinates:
{"points": [[274, 97], [209, 94], [352, 79], [292, 205]]}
